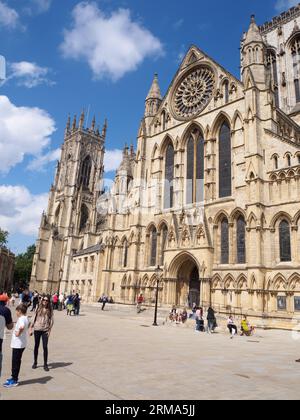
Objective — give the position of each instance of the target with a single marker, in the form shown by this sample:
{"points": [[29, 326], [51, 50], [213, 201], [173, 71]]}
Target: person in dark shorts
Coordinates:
{"points": [[5, 322]]}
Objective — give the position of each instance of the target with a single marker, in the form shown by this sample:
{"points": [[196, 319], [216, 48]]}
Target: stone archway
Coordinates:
{"points": [[187, 286]]}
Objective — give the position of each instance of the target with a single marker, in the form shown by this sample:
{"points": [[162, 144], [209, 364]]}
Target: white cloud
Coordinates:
{"points": [[285, 4], [8, 17], [23, 131], [41, 6], [112, 45], [20, 211], [29, 74], [112, 160], [40, 163]]}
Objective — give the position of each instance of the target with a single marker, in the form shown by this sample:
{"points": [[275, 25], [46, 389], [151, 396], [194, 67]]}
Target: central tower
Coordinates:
{"points": [[71, 222]]}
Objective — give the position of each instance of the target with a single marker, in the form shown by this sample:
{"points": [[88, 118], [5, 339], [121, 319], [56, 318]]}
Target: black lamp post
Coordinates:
{"points": [[158, 272]]}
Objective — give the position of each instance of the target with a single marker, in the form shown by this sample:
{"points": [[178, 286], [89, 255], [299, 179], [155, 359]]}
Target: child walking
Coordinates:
{"points": [[18, 345]]}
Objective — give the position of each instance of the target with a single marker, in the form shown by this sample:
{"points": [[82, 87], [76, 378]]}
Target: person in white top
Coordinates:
{"points": [[232, 326], [18, 345]]}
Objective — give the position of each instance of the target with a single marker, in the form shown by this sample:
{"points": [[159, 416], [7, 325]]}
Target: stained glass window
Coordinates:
{"points": [[225, 189], [200, 169], [164, 243], [85, 172], [285, 241], [272, 69], [224, 242], [190, 171], [83, 217], [153, 250], [195, 168], [125, 254], [241, 240], [296, 66], [169, 178]]}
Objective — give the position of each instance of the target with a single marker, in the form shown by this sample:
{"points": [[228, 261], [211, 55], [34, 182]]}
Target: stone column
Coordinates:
{"points": [[172, 290]]}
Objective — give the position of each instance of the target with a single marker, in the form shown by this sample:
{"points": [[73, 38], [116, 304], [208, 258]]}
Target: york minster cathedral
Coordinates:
{"points": [[208, 202]]}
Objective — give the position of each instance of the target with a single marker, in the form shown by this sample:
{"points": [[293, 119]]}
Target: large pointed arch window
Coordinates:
{"points": [[85, 172], [164, 239], [241, 240], [224, 241], [295, 50], [285, 241], [225, 186], [153, 247], [195, 167], [272, 69], [84, 217], [169, 177], [125, 254]]}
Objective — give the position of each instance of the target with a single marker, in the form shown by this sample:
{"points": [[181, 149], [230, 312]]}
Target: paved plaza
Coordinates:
{"points": [[117, 355]]}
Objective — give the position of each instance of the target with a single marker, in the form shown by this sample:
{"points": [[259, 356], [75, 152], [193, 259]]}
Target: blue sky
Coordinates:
{"points": [[66, 55]]}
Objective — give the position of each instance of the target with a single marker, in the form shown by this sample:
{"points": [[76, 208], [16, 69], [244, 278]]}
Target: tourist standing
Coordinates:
{"points": [[211, 320], [12, 300], [70, 305], [18, 345], [61, 302], [26, 298], [5, 321], [55, 301], [76, 304], [35, 301], [41, 328]]}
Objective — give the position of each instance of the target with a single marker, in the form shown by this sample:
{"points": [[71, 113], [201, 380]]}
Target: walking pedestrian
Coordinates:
{"points": [[41, 329], [5, 321], [18, 345], [211, 320], [104, 302]]}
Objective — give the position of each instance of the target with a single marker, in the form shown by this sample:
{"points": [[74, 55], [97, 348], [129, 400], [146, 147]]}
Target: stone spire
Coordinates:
{"points": [[74, 123], [154, 92], [93, 124], [68, 126], [104, 130], [153, 99], [253, 34], [81, 121]]}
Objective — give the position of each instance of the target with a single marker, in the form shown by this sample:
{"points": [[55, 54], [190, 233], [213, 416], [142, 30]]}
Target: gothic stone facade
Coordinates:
{"points": [[7, 264], [211, 194]]}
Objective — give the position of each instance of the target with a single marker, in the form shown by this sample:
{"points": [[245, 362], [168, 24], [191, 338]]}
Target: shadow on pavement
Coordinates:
{"points": [[59, 365], [42, 381]]}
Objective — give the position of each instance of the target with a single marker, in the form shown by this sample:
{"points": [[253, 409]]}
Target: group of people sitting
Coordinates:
{"points": [[180, 316], [246, 328]]}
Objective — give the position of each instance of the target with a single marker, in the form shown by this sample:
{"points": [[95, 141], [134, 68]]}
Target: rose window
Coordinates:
{"points": [[194, 93]]}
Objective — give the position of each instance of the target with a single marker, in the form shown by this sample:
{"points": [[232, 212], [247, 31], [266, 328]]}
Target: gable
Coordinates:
{"points": [[199, 86]]}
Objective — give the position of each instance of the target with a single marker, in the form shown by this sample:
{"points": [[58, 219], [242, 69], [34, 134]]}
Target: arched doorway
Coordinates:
{"points": [[188, 284]]}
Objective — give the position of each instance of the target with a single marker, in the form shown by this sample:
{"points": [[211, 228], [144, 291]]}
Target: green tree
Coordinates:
{"points": [[3, 237], [23, 267]]}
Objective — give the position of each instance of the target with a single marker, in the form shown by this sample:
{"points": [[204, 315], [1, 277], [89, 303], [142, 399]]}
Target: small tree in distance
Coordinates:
{"points": [[3, 238]]}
